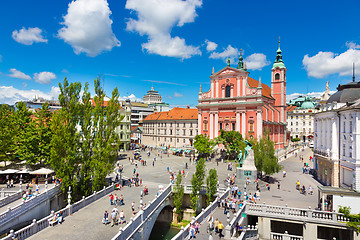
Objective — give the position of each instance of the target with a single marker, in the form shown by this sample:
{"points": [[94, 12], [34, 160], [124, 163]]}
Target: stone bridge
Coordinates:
{"points": [[36, 207]]}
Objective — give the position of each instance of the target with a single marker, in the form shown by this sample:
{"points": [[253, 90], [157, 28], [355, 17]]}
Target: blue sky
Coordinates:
{"points": [[172, 44]]}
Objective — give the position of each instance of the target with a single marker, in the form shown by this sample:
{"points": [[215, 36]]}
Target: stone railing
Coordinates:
{"points": [[188, 189], [284, 236], [19, 209], [204, 214], [4, 193], [9, 197], [250, 233], [295, 213], [37, 226], [322, 153], [142, 216], [238, 218]]}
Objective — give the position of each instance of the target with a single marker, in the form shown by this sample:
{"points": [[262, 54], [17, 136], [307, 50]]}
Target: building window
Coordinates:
{"points": [[184, 140], [343, 149], [227, 91], [303, 123], [170, 132], [158, 139], [297, 130], [158, 131], [205, 126], [277, 76], [191, 125], [292, 117], [184, 132], [191, 132], [164, 124], [164, 131], [350, 152], [296, 123], [170, 124], [344, 127], [164, 139], [227, 127], [177, 124], [233, 126], [177, 140], [351, 127], [291, 123], [276, 130], [220, 126], [170, 139], [252, 127], [297, 117], [177, 132]]}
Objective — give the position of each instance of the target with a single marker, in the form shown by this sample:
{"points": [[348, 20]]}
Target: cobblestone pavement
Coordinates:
{"points": [[86, 223]]}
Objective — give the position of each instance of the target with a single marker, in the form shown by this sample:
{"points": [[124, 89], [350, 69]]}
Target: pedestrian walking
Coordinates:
{"points": [[220, 228], [278, 184]]}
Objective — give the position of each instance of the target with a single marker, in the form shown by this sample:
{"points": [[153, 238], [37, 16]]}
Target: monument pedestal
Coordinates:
{"points": [[248, 171]]}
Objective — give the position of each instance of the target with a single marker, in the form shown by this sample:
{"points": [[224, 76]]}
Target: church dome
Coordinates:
{"points": [[307, 105], [349, 92]]}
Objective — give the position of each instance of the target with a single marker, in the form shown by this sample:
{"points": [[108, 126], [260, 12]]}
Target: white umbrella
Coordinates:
{"points": [[42, 171], [24, 171], [9, 171]]}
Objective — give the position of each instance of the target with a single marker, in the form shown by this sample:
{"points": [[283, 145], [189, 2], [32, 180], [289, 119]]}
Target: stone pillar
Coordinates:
{"points": [[259, 124], [199, 125], [211, 125], [212, 89], [243, 123], [216, 124], [238, 121], [217, 88], [238, 86], [308, 230]]}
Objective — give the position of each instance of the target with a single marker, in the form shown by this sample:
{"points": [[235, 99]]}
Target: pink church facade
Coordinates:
{"points": [[238, 102]]}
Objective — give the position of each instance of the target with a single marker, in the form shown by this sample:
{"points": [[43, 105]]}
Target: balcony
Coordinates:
{"points": [[322, 153]]}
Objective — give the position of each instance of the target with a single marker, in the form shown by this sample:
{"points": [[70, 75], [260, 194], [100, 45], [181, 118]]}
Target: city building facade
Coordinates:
{"points": [[154, 100], [300, 118], [37, 103], [139, 111], [337, 142], [238, 102], [175, 128]]}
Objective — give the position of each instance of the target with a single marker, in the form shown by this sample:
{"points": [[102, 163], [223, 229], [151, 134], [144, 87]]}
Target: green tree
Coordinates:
{"points": [[264, 155], [233, 143], [211, 185], [354, 219], [178, 196], [203, 145], [22, 125], [36, 137], [6, 134], [65, 157], [106, 142], [197, 181]]}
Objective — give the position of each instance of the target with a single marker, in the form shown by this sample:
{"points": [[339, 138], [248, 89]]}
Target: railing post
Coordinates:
{"points": [[334, 216], [263, 207], [286, 236], [34, 226], [309, 213], [94, 196], [287, 210], [8, 211], [12, 234], [83, 201]]}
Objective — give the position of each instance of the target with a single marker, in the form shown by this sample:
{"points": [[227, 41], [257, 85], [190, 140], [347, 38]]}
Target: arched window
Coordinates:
{"points": [[227, 91], [277, 76]]}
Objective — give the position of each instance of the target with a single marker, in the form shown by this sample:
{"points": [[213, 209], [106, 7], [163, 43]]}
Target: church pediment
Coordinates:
{"points": [[227, 70]]}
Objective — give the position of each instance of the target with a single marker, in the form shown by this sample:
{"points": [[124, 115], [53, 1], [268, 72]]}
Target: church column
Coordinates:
{"points": [[199, 123], [259, 124], [243, 127], [238, 87], [212, 89], [238, 121], [216, 124], [217, 88], [211, 126]]}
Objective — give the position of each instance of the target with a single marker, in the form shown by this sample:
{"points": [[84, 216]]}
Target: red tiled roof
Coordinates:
{"points": [[104, 104], [266, 90], [174, 114], [290, 108]]}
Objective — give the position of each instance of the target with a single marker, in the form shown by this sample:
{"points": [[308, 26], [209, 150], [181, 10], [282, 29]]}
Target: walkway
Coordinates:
{"points": [[86, 223]]}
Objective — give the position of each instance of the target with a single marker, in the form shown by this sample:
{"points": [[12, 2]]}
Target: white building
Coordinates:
{"points": [[139, 111], [337, 138], [300, 119], [154, 99], [175, 128]]}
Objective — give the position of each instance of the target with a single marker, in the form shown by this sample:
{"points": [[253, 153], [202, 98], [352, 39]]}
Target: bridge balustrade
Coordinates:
{"points": [[43, 223], [9, 197], [142, 216], [185, 231], [287, 212], [284, 236]]}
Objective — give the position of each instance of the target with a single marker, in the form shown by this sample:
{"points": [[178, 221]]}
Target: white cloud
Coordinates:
{"points": [[28, 36], [177, 95], [18, 74], [324, 64], [230, 52], [132, 98], [256, 61], [10, 95], [44, 77], [352, 45], [210, 46], [156, 18], [312, 94], [87, 27]]}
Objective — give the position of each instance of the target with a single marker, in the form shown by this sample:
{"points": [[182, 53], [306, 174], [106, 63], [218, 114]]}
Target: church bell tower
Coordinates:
{"points": [[278, 85]]}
